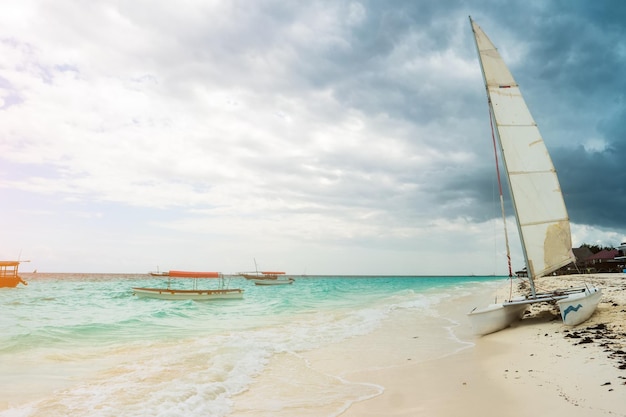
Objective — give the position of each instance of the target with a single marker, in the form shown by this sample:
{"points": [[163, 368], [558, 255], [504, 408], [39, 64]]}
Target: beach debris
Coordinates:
{"points": [[608, 337]]}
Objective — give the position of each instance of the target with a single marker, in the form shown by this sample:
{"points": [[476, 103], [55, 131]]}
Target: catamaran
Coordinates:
{"points": [[221, 292], [9, 277], [540, 211]]}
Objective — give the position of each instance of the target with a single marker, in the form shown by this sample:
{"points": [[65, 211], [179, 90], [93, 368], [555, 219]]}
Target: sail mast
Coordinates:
{"points": [[540, 211]]}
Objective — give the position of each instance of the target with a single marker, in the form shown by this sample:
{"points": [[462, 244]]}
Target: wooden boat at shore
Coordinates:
{"points": [[538, 203], [9, 277], [220, 293]]}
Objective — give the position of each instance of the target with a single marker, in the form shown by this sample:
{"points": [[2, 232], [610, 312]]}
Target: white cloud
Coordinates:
{"points": [[334, 137]]}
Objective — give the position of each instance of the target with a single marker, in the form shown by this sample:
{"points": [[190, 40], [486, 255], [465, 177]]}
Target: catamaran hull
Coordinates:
{"points": [[495, 317], [197, 295], [577, 308]]}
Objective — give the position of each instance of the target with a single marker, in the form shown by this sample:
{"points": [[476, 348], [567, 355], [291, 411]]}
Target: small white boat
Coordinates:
{"points": [[168, 293], [540, 212]]}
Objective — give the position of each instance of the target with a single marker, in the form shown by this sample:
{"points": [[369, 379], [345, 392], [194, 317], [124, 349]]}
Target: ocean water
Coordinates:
{"points": [[83, 344]]}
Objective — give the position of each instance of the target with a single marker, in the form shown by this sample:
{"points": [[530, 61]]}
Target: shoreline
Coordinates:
{"points": [[538, 365]]}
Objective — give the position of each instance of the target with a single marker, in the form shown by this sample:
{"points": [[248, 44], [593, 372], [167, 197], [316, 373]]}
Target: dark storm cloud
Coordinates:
{"points": [[571, 72], [574, 73], [569, 61], [367, 73], [594, 185]]}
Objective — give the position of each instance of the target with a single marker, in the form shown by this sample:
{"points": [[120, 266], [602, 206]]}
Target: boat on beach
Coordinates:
{"points": [[538, 203], [9, 277], [220, 293]]}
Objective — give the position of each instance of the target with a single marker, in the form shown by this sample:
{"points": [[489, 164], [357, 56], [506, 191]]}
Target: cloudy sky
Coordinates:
{"points": [[318, 137]]}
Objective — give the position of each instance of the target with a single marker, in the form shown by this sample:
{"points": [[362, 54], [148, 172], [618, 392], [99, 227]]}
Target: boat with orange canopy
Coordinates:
{"points": [[8, 274], [221, 292]]}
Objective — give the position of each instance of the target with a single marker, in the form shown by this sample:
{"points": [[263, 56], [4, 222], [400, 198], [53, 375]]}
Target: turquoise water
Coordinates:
{"points": [[83, 344]]}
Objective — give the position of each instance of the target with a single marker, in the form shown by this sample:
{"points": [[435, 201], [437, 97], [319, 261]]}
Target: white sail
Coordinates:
{"points": [[540, 210]]}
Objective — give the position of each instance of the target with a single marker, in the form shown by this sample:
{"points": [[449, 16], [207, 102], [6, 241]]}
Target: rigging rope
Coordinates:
{"points": [[495, 153]]}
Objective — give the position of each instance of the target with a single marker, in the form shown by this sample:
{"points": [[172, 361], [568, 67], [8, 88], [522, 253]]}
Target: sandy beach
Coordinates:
{"points": [[538, 366]]}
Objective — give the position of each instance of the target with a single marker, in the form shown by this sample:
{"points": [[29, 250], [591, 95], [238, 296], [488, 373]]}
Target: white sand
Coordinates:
{"points": [[530, 368]]}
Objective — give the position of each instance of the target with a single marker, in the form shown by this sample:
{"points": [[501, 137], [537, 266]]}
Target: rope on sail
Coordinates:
{"points": [[495, 153]]}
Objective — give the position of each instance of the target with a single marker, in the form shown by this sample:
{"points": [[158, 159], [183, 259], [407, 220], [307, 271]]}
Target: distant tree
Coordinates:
{"points": [[596, 248]]}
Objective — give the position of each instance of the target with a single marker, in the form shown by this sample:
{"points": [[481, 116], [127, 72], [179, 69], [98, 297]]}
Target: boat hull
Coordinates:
{"points": [[273, 281], [263, 275], [11, 282], [198, 295], [495, 317], [251, 276], [577, 308]]}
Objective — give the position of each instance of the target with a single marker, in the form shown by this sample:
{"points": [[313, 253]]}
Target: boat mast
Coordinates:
{"points": [[492, 119]]}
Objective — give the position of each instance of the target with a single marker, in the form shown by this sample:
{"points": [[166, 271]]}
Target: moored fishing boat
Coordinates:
{"points": [[539, 207], [9, 277], [158, 273], [258, 275], [268, 277], [278, 280], [221, 292]]}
